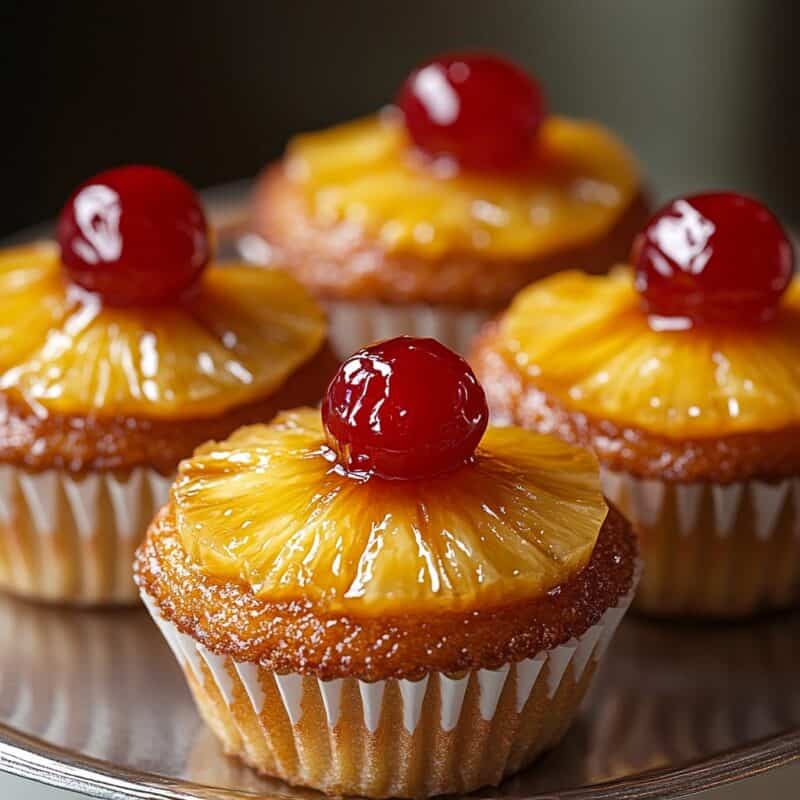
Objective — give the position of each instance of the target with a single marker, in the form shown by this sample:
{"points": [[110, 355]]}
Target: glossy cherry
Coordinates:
{"points": [[137, 235], [404, 408], [711, 258], [482, 110]]}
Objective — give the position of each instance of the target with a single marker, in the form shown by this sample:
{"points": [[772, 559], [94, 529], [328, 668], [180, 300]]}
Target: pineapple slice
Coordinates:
{"points": [[31, 295], [364, 172], [585, 341], [271, 507], [233, 340]]}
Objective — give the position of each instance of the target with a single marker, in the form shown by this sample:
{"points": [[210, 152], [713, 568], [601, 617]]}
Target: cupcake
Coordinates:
{"points": [[427, 218], [121, 351], [682, 373], [388, 599]]}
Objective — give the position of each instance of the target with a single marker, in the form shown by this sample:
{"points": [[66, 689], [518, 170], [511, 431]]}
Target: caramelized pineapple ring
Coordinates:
{"points": [[578, 185], [271, 507], [586, 343], [234, 340]]}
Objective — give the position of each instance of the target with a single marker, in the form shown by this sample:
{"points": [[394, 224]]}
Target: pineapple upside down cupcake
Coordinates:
{"points": [[426, 219], [683, 375], [389, 600], [119, 355]]}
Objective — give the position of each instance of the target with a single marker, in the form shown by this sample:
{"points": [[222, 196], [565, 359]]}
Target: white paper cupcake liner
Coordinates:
{"points": [[392, 737], [356, 324], [71, 539], [353, 324], [711, 549]]}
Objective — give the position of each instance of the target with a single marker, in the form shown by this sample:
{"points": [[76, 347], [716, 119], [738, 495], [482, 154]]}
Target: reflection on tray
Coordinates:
{"points": [[99, 683], [103, 684]]}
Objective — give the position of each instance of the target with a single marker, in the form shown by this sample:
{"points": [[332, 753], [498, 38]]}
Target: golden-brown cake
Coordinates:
{"points": [[121, 351], [427, 218], [367, 604], [684, 380]]}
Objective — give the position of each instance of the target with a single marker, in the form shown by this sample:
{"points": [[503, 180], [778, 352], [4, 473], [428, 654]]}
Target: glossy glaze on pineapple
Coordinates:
{"points": [[234, 339], [575, 184], [296, 636], [84, 442], [85, 386], [519, 519], [576, 356], [357, 214]]}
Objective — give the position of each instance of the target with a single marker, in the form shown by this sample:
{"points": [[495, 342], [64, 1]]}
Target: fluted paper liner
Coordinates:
{"points": [[392, 738], [71, 539], [355, 324], [711, 549]]}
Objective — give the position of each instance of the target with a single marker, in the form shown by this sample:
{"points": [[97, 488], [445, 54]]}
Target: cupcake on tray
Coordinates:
{"points": [[683, 374], [122, 349], [427, 218], [389, 599]]}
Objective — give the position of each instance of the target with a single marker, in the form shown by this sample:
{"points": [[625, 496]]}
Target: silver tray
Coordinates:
{"points": [[95, 702]]}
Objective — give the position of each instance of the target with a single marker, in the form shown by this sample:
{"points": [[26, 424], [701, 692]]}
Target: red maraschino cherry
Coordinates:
{"points": [[718, 257], [137, 235], [404, 408], [478, 108]]}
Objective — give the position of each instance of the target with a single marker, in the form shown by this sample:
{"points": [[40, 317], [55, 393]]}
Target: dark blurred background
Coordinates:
{"points": [[705, 91]]}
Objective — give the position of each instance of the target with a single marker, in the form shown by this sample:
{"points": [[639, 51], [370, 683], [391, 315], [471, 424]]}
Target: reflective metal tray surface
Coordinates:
{"points": [[95, 702]]}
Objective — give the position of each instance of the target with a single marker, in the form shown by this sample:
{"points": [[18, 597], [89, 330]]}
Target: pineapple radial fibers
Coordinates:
{"points": [[272, 508], [579, 182], [232, 340], [586, 342]]}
